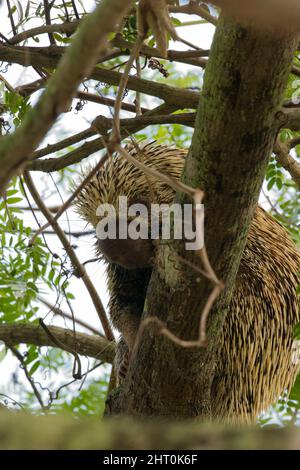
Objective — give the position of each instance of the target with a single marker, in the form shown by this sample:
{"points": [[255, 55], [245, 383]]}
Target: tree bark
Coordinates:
{"points": [[89, 345], [234, 134]]}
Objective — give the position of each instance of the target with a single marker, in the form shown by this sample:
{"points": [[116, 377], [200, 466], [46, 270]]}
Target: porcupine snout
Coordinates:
{"points": [[128, 252]]}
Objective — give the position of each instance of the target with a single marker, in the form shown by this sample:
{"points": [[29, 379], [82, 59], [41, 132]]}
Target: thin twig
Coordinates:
{"points": [[76, 372], [108, 101], [75, 9], [28, 377], [193, 8], [75, 379], [69, 201], [11, 18], [35, 209], [78, 234], [138, 108], [276, 211], [47, 10], [59, 312], [116, 136], [7, 84]]}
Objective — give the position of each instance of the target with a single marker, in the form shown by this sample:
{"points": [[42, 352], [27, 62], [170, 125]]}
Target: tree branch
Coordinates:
{"points": [[287, 161], [286, 118], [186, 57], [71, 198], [87, 345], [289, 118], [192, 57], [49, 57], [68, 27], [192, 8], [179, 97], [29, 88], [88, 148]]}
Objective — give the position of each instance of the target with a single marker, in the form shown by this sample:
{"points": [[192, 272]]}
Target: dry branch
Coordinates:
{"points": [[287, 161], [186, 57], [181, 98], [115, 136]]}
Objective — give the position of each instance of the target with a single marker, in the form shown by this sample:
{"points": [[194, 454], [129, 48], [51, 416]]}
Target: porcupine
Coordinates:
{"points": [[255, 361]]}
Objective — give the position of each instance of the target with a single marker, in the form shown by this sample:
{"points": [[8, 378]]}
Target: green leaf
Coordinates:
{"points": [[13, 9], [271, 183], [279, 183], [296, 332], [58, 37], [34, 367]]}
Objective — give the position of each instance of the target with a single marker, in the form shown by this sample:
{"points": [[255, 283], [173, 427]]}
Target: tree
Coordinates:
{"points": [[240, 63]]}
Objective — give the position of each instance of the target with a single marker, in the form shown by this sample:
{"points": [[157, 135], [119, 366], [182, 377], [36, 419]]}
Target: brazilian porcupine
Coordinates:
{"points": [[255, 361]]}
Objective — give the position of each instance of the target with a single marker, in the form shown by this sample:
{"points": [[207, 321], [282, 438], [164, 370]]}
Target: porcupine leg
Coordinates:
{"points": [[127, 288]]}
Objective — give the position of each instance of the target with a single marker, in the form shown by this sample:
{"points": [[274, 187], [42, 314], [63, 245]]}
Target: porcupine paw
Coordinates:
{"points": [[123, 368]]}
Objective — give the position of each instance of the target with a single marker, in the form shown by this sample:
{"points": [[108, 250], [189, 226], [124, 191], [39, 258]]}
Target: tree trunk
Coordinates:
{"points": [[235, 130]]}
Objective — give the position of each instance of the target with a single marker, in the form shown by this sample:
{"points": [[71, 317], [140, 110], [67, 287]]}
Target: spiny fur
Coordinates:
{"points": [[119, 177], [255, 361]]}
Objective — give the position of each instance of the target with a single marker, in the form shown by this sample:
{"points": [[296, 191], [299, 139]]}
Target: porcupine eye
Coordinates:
{"points": [[127, 252]]}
